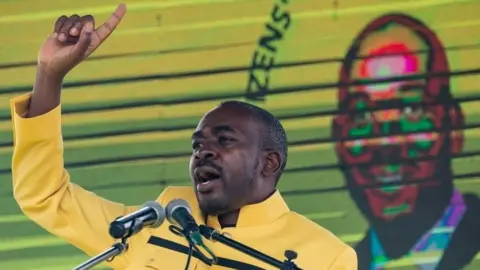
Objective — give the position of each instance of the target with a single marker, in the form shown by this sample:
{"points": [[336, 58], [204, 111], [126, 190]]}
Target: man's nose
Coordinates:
{"points": [[206, 153], [390, 128]]}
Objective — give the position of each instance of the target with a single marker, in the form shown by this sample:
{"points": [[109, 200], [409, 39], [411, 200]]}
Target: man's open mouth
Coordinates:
{"points": [[205, 174], [205, 178]]}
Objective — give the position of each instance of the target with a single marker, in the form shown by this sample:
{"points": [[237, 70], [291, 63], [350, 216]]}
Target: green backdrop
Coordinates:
{"points": [[130, 109]]}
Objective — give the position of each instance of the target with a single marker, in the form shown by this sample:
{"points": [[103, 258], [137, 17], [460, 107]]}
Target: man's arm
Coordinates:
{"points": [[41, 185], [347, 260], [43, 189]]}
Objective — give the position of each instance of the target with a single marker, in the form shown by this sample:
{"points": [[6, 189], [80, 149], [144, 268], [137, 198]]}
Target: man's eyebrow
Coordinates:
{"points": [[223, 128], [217, 129]]}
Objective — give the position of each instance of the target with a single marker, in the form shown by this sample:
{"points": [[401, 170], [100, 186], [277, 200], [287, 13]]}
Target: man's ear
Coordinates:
{"points": [[272, 163]]}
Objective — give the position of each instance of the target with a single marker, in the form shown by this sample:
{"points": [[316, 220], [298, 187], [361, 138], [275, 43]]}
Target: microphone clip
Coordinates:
{"points": [[195, 241]]}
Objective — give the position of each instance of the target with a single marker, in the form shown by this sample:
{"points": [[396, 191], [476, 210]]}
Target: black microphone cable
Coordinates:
{"points": [[193, 247]]}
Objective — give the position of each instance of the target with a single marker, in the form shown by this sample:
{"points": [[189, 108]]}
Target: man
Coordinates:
{"points": [[397, 158], [239, 153]]}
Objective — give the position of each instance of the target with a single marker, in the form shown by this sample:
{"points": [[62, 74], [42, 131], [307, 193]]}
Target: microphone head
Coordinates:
{"points": [[174, 205], [158, 210]]}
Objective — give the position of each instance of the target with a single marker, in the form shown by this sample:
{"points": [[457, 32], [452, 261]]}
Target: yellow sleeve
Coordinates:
{"points": [[347, 260], [43, 190]]}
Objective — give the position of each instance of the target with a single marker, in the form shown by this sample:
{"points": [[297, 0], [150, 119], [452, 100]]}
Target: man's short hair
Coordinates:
{"points": [[273, 133]]}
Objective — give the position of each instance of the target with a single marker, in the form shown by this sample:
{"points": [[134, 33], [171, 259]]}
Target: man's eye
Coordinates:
{"points": [[361, 119], [413, 112], [196, 145], [224, 139]]}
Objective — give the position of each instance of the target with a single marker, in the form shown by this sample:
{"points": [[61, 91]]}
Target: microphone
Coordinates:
{"points": [[178, 213], [150, 215]]}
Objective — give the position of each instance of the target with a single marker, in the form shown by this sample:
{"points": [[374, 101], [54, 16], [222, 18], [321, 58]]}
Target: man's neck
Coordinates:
{"points": [[230, 219]]}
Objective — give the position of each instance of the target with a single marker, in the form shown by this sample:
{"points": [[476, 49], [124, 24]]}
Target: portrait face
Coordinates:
{"points": [[389, 130]]}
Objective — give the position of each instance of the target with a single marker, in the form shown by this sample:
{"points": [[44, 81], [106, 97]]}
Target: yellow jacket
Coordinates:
{"points": [[43, 189]]}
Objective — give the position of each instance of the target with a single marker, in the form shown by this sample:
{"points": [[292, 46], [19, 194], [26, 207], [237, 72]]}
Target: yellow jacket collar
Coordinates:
{"points": [[257, 214]]}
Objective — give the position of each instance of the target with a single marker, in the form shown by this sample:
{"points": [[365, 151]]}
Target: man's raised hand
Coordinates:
{"points": [[74, 38]]}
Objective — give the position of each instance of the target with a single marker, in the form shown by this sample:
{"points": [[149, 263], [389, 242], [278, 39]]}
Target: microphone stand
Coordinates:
{"points": [[215, 236], [115, 250], [107, 255]]}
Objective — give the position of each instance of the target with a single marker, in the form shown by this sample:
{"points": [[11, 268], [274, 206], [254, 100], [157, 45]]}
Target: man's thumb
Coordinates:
{"points": [[84, 40]]}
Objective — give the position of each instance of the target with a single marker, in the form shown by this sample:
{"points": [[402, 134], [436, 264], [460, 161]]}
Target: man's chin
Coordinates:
{"points": [[210, 204]]}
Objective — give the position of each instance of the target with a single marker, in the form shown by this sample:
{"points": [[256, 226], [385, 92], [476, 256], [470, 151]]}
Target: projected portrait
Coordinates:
{"points": [[397, 131]]}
